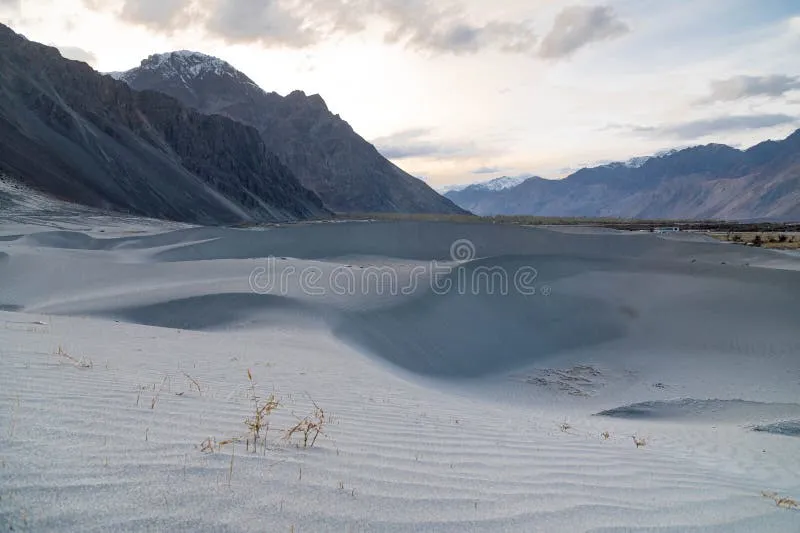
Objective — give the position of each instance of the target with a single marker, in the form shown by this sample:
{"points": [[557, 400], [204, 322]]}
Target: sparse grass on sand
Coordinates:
{"points": [[81, 362], [309, 427], [761, 239], [603, 222], [781, 501], [259, 422]]}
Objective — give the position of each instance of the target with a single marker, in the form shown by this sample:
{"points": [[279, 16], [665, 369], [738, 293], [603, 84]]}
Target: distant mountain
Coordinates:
{"points": [[80, 136], [328, 157], [496, 184], [703, 182]]}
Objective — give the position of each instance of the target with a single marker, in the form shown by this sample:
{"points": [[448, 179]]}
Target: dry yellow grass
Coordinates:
{"points": [[259, 422], [781, 501], [764, 239], [309, 427]]}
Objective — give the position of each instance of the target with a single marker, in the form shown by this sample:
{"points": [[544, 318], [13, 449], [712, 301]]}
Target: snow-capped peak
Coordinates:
{"points": [[496, 184], [638, 162], [185, 65], [505, 182], [186, 59]]}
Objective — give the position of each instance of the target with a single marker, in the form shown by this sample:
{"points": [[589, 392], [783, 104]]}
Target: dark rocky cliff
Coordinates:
{"points": [[88, 138]]}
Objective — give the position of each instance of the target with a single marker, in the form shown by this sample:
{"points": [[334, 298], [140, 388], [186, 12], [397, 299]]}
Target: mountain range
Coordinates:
{"points": [[320, 148], [141, 147], [714, 181], [185, 136], [80, 136]]}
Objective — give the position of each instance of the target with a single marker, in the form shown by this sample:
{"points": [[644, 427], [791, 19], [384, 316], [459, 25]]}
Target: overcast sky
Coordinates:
{"points": [[465, 90]]}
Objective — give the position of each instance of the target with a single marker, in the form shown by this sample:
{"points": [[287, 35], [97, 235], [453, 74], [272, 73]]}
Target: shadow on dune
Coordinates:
{"points": [[68, 240], [790, 428], [76, 240], [215, 311], [481, 332], [691, 408]]}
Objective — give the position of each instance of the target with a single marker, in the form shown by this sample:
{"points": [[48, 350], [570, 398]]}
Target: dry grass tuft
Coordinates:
{"points": [[640, 442], [605, 435], [164, 381], [194, 382], [259, 422], [309, 427], [780, 501], [208, 445], [83, 362]]}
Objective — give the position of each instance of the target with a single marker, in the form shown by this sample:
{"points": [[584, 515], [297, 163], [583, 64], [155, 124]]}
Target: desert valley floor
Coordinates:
{"points": [[131, 351]]}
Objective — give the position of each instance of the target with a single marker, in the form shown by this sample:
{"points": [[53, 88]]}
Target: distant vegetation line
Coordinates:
{"points": [[609, 222]]}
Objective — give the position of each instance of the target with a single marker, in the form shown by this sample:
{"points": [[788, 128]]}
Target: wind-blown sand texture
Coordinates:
{"points": [[445, 412]]}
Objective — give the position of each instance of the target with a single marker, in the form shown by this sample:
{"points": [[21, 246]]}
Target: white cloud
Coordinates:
{"points": [[794, 25], [700, 128], [78, 54], [158, 14], [425, 25], [740, 87], [418, 143], [578, 26], [10, 10]]}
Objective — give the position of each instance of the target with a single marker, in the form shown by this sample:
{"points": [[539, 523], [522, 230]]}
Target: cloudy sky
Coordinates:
{"points": [[464, 90]]}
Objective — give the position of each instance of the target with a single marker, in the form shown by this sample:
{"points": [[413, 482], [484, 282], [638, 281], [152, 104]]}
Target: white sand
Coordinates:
{"points": [[446, 411]]}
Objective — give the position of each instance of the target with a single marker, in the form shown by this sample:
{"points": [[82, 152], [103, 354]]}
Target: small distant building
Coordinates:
{"points": [[667, 230]]}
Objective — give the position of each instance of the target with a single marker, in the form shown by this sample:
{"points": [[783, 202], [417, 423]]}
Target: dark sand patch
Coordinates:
{"points": [[712, 410], [790, 428], [214, 311]]}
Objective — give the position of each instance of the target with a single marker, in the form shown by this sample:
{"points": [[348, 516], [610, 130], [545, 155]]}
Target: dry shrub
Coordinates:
{"points": [[781, 501], [259, 422], [309, 427], [83, 362], [194, 382]]}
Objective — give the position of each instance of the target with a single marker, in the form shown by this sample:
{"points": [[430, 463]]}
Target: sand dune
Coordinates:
{"points": [[450, 410]]}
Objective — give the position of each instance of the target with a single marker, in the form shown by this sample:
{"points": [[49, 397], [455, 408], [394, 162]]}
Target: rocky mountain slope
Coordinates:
{"points": [[327, 156], [84, 137], [704, 182]]}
